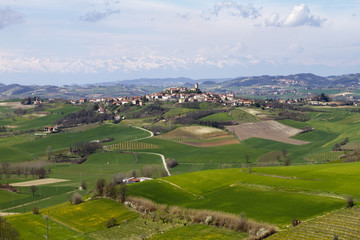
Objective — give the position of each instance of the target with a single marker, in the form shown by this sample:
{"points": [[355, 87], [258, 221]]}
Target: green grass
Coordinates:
{"points": [[200, 232], [32, 227], [224, 116], [104, 165], [136, 229], [92, 215], [29, 150], [11, 200], [241, 116], [39, 122], [279, 193]]}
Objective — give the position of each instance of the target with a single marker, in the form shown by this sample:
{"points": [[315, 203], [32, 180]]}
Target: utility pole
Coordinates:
{"points": [[47, 227]]}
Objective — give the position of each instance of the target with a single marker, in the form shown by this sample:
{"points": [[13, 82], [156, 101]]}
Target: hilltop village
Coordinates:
{"points": [[173, 94]]}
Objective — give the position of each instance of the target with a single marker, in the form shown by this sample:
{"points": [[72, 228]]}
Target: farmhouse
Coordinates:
{"points": [[134, 180], [53, 129]]}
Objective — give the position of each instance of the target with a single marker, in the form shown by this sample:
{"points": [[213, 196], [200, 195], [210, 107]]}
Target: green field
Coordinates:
{"points": [[29, 149], [90, 216], [215, 178], [236, 192], [32, 226], [199, 232]]}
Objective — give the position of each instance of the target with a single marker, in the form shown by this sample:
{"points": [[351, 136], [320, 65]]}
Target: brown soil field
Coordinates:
{"points": [[213, 144], [38, 182], [271, 130], [16, 105]]}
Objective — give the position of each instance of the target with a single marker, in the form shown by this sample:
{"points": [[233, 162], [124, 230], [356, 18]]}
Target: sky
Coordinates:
{"points": [[61, 42]]}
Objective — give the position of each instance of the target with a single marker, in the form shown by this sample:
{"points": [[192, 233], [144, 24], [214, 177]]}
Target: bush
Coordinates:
{"points": [[35, 210], [76, 199], [213, 218], [112, 222], [350, 202], [7, 231], [83, 185], [171, 163]]}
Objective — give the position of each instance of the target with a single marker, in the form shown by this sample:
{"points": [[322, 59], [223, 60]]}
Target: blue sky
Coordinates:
{"points": [[86, 41]]}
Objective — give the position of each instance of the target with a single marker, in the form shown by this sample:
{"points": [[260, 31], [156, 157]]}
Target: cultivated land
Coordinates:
{"points": [[38, 182], [216, 171], [271, 130]]}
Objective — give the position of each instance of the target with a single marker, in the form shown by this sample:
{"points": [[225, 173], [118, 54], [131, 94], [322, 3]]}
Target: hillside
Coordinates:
{"points": [[314, 162], [278, 86]]}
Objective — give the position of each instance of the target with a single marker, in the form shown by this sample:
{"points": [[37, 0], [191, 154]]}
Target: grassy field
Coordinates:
{"points": [[32, 226], [275, 195], [90, 216], [104, 165], [21, 148], [199, 232], [279, 194]]}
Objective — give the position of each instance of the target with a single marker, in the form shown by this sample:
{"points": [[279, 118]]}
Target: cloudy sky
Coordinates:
{"points": [[86, 41]]}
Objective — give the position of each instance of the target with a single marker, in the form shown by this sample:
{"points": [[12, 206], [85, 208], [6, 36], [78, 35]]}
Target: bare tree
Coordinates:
{"points": [[33, 189], [48, 153], [99, 186]]}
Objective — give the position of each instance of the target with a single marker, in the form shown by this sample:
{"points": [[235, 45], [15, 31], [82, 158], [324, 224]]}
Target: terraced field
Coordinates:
{"points": [[345, 224]]}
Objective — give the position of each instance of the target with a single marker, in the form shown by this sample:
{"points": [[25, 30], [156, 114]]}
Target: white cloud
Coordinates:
{"points": [[300, 15], [233, 9], [94, 16], [9, 17], [296, 48]]}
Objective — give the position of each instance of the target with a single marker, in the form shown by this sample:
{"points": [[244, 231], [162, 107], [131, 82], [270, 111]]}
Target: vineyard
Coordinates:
{"points": [[351, 146], [345, 224], [269, 159], [194, 139], [131, 146], [323, 156]]}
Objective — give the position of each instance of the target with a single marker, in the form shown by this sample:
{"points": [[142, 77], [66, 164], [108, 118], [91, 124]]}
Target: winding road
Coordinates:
{"points": [[158, 154]]}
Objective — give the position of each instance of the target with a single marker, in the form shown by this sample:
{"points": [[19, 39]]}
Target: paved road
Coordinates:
{"points": [[158, 154]]}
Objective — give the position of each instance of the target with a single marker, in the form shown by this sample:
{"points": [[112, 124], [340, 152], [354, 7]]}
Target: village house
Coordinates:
{"points": [[51, 129]]}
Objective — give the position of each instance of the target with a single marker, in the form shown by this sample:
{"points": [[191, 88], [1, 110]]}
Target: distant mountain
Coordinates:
{"points": [[303, 79], [140, 87], [162, 82]]}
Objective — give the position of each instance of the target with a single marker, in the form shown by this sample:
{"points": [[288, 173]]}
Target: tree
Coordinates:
{"points": [[287, 161], [35, 210], [99, 186], [112, 222], [48, 153], [76, 199], [122, 192], [247, 159], [7, 231], [83, 185], [110, 190], [33, 189], [284, 152]]}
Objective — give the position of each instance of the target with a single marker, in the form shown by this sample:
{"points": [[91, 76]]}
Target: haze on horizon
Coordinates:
{"points": [[88, 41]]}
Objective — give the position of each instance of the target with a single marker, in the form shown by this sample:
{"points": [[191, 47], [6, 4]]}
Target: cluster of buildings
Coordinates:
{"points": [[174, 94]]}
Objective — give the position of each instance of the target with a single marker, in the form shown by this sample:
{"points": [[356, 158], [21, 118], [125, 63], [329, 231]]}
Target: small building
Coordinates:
{"points": [[51, 129]]}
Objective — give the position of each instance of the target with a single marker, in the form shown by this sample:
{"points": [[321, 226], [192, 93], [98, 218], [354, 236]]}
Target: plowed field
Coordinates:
{"points": [[271, 130]]}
